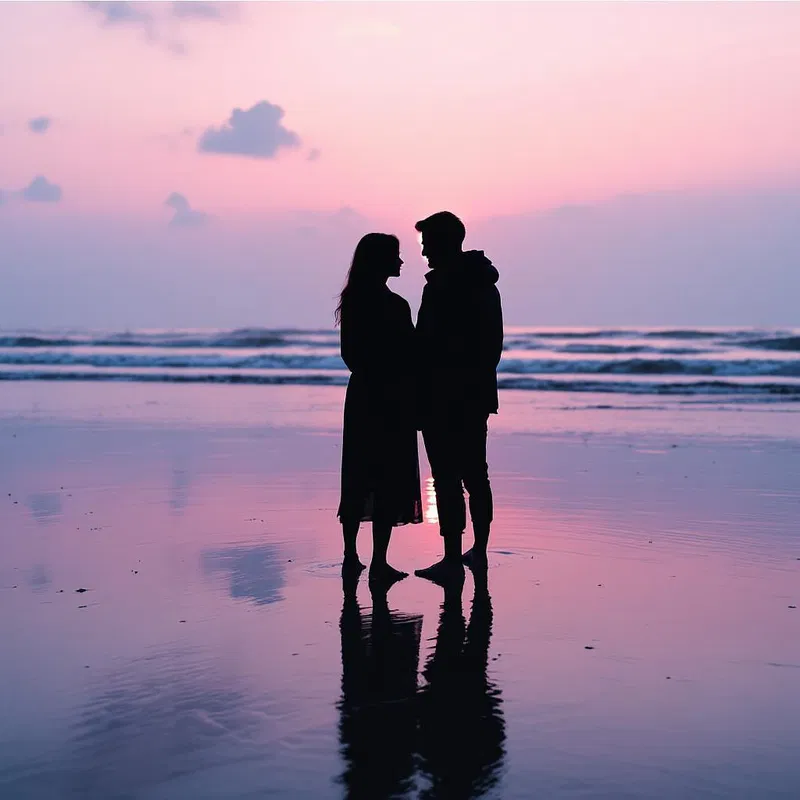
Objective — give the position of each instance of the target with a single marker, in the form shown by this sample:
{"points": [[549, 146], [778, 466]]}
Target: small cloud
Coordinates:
{"points": [[120, 12], [255, 133], [190, 9], [40, 190], [40, 124], [185, 216], [2, 197], [313, 154], [160, 22]]}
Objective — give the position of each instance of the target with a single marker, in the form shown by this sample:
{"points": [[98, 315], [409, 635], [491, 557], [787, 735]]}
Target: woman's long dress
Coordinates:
{"points": [[380, 462]]}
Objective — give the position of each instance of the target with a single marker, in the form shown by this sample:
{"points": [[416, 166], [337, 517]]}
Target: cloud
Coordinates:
{"points": [[189, 9], [121, 12], [313, 154], [185, 216], [255, 133], [2, 197], [40, 124], [40, 190], [160, 22]]}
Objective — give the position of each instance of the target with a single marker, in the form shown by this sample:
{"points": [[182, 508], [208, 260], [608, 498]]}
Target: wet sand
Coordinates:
{"points": [[636, 639]]}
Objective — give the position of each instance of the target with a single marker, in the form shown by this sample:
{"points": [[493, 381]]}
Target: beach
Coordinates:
{"points": [[639, 636]]}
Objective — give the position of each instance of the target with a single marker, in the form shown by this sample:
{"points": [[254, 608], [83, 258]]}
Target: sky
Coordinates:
{"points": [[202, 164]]}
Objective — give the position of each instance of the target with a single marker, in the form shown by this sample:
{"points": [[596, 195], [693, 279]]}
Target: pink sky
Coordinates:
{"points": [[490, 109]]}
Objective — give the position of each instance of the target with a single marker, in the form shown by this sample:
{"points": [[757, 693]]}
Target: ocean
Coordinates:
{"points": [[729, 365]]}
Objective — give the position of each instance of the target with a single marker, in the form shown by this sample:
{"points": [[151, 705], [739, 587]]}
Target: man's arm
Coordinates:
{"points": [[491, 333]]}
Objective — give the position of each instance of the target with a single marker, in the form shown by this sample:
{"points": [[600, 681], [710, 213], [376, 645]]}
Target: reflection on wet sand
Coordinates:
{"points": [[446, 737], [256, 572], [377, 714], [45, 506], [38, 578], [144, 727], [155, 720], [462, 730]]}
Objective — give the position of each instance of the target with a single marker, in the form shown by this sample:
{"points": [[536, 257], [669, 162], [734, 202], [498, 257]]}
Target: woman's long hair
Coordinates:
{"points": [[374, 251]]}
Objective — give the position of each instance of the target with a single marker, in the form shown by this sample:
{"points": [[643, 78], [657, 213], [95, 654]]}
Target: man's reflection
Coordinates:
{"points": [[449, 733], [461, 726], [377, 720]]}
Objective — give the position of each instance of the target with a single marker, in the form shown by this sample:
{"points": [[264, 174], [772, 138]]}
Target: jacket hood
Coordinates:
{"points": [[474, 269]]}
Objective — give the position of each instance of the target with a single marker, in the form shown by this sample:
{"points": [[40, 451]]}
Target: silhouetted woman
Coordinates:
{"points": [[380, 464]]}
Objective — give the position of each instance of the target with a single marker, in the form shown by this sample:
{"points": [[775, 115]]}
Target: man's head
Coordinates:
{"points": [[442, 237]]}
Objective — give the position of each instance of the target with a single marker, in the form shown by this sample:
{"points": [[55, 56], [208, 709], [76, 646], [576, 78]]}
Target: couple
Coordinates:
{"points": [[440, 378]]}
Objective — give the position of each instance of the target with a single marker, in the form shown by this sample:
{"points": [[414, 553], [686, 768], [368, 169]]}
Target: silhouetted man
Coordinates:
{"points": [[460, 337]]}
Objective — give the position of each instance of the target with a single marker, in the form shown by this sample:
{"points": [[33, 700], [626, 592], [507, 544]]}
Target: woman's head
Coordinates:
{"points": [[376, 258]]}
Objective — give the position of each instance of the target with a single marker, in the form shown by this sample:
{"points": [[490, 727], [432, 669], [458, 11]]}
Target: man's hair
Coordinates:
{"points": [[445, 225]]}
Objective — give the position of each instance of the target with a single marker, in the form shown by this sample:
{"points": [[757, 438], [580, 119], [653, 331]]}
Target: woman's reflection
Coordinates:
{"points": [[377, 720], [450, 733]]}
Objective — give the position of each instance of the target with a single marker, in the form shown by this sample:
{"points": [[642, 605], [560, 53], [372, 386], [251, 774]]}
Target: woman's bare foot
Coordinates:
{"points": [[385, 574]]}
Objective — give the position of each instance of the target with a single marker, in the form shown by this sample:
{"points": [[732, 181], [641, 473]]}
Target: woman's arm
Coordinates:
{"points": [[360, 341]]}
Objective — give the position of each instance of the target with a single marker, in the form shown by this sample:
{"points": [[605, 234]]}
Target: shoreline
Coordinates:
{"points": [[320, 408]]}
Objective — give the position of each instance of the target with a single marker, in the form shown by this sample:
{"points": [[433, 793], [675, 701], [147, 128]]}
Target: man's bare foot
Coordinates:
{"points": [[475, 558], [352, 565], [446, 571], [385, 574]]}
